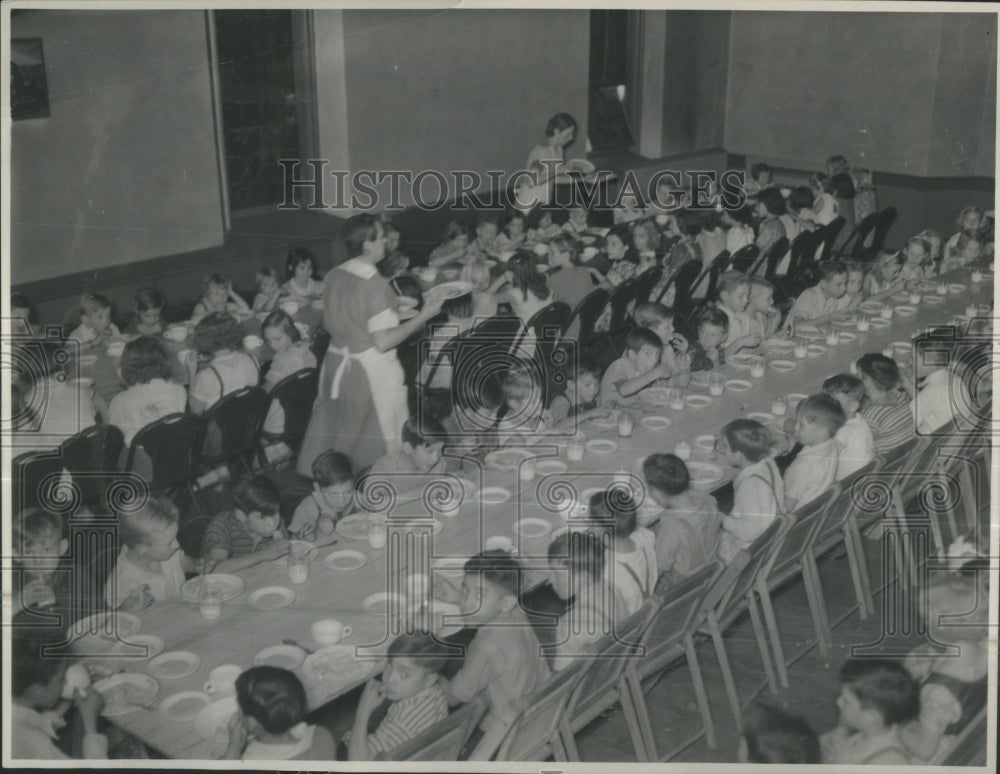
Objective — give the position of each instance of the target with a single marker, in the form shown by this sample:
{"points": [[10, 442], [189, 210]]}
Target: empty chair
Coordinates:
{"points": [[233, 430], [91, 457], [172, 445], [583, 318], [296, 394]]}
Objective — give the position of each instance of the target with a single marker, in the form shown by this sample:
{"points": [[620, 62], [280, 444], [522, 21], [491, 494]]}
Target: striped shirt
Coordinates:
{"points": [[230, 533], [891, 426], [407, 718]]}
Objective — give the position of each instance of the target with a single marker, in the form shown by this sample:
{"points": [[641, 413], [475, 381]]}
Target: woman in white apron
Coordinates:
{"points": [[361, 405]]}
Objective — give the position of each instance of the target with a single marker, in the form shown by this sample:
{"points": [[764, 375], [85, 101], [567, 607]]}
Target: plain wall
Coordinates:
{"points": [[125, 168]]}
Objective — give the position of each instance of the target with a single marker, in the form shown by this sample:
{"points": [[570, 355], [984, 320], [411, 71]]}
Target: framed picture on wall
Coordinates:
{"points": [[29, 91]]}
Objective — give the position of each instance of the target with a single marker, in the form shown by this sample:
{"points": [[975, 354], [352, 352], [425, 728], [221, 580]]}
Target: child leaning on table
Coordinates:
{"points": [[41, 570], [411, 682], [852, 297], [734, 296], [758, 490], [150, 394], [251, 532], [635, 370], [855, 436], [218, 295], [687, 536], [674, 355], [821, 301], [580, 399], [818, 418], [269, 290], [96, 328], [707, 352], [300, 275], [270, 723], [148, 321], [332, 497], [151, 565], [420, 456]]}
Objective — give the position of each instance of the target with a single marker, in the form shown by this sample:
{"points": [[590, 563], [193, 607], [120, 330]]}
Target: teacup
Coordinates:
{"points": [[683, 450], [290, 307], [329, 631], [222, 680], [252, 342]]}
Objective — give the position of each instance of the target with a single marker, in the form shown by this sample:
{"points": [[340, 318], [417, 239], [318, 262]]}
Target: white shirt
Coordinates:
{"points": [[127, 577], [635, 571], [758, 497], [933, 405], [812, 472], [858, 446], [740, 324], [225, 374], [142, 404], [32, 737]]}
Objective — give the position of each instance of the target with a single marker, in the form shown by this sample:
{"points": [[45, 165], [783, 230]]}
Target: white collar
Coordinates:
{"points": [[359, 268]]}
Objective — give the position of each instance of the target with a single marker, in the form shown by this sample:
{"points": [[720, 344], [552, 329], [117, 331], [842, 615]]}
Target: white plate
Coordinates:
{"points": [[905, 310], [126, 692], [272, 597], [872, 307], [705, 475], [542, 268], [345, 561], [761, 416], [796, 397], [608, 421], [956, 287], [656, 396], [185, 705], [379, 602], [588, 240], [738, 385], [815, 350], [213, 721], [284, 656], [655, 422], [901, 296], [88, 360], [902, 346], [414, 522], [174, 665], [132, 649], [122, 624], [809, 332], [934, 299], [705, 443], [742, 360], [782, 365], [878, 322], [228, 586], [698, 401], [780, 345], [494, 495], [337, 664], [602, 446], [447, 290], [549, 467], [506, 460], [353, 527], [847, 336], [847, 323], [532, 528]]}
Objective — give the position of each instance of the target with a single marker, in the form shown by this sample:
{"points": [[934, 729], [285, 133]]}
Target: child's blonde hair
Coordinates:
{"points": [[215, 281], [965, 211], [731, 280], [924, 245], [477, 273], [266, 273], [94, 302], [134, 526]]}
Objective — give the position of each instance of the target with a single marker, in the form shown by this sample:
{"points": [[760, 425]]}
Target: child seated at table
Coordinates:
{"points": [[229, 370], [21, 315], [818, 418], [854, 436], [218, 296], [251, 532], [624, 262], [887, 408], [687, 536], [541, 226], [825, 208], [674, 355], [770, 735], [332, 497], [486, 242], [739, 228], [734, 296], [635, 370], [291, 355], [707, 352], [96, 328], [453, 245], [419, 459], [764, 316], [580, 398], [632, 560], [965, 245], [149, 303], [569, 282], [758, 491], [883, 279], [512, 235], [820, 302], [577, 221], [37, 685], [270, 724], [477, 273], [412, 684], [761, 178], [916, 262], [877, 696], [953, 672], [522, 418], [269, 290], [151, 564], [300, 276], [853, 296], [502, 660], [41, 576], [150, 391]]}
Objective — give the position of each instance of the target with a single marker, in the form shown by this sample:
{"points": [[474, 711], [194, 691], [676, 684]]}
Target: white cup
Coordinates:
{"points": [[801, 351], [757, 371], [377, 536], [942, 289], [222, 680], [252, 342], [177, 333], [863, 325], [677, 403], [77, 677], [574, 450], [589, 252], [683, 450], [832, 339], [971, 311], [290, 307], [329, 631], [977, 276], [914, 298], [886, 312]]}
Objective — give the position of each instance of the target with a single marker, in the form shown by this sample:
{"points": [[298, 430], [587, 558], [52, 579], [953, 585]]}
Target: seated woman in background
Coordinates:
{"points": [[151, 394]]}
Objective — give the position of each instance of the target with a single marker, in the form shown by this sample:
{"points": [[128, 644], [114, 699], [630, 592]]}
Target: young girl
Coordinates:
{"points": [[707, 352], [218, 335], [291, 354], [577, 222], [964, 246], [645, 239], [151, 393], [883, 279], [513, 234], [487, 241], [529, 292], [916, 256], [541, 227], [149, 303], [758, 490], [569, 282], [300, 273], [270, 723], [218, 296], [623, 264], [477, 273], [269, 290], [453, 245], [824, 207], [686, 248]]}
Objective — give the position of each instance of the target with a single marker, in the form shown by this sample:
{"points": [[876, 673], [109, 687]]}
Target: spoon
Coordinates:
{"points": [[297, 644]]}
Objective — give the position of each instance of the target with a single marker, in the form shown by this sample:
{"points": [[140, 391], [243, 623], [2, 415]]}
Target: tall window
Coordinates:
{"points": [[257, 92], [611, 44]]}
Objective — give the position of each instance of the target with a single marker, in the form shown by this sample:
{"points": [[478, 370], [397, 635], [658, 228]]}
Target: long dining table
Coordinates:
{"points": [[243, 630]]}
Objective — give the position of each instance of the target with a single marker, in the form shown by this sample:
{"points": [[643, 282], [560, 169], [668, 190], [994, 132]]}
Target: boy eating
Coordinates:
{"points": [[637, 369], [707, 352], [820, 302], [95, 327], [332, 497], [249, 533], [734, 296], [418, 460]]}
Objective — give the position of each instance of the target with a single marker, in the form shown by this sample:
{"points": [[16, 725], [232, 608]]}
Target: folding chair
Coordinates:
{"points": [[173, 445], [91, 457], [828, 236], [535, 736], [239, 417], [770, 259], [854, 245], [585, 316], [719, 264], [296, 394], [36, 481], [884, 221], [646, 282], [744, 258]]}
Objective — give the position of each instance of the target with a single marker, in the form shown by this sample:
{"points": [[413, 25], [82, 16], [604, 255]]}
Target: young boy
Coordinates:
{"points": [[888, 409], [502, 660], [248, 534], [674, 355], [419, 460], [707, 353], [412, 684], [41, 571], [632, 564], [734, 295], [332, 497], [687, 537], [855, 436], [151, 564], [37, 684], [580, 398], [817, 420], [820, 302], [763, 314], [637, 369], [770, 735], [852, 294], [876, 697], [96, 328], [487, 231]]}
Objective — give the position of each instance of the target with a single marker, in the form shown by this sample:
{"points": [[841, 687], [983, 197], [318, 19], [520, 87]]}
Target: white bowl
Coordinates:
{"points": [[252, 342], [290, 307]]}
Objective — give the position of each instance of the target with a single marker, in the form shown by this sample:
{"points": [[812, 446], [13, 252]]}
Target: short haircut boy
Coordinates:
{"points": [[880, 369], [711, 315], [257, 494], [772, 199], [267, 273], [331, 468], [652, 313], [848, 384], [822, 409], [455, 229], [422, 647], [885, 686], [94, 302], [614, 504], [520, 382], [666, 472], [642, 337], [134, 526], [143, 360], [423, 431], [580, 551], [748, 437], [147, 299], [774, 736], [272, 696], [498, 567], [730, 280], [216, 331], [830, 269]]}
